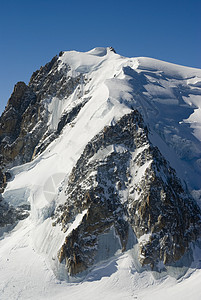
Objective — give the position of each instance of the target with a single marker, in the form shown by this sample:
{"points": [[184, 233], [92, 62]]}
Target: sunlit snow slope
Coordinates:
{"points": [[169, 98]]}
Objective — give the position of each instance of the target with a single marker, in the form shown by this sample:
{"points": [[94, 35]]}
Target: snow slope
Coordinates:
{"points": [[25, 274], [169, 98]]}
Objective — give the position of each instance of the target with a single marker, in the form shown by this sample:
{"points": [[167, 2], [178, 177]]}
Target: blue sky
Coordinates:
{"points": [[32, 32]]}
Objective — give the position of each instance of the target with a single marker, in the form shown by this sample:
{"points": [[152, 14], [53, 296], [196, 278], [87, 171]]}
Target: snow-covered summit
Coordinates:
{"points": [[106, 151]]}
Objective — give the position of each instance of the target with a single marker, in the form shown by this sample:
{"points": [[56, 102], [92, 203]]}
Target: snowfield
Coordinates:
{"points": [[26, 274], [169, 98]]}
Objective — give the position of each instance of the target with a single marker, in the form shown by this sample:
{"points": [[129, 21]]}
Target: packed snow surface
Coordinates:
{"points": [[169, 98]]}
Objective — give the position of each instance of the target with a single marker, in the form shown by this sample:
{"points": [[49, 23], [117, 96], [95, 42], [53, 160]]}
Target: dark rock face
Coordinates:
{"points": [[23, 125], [50, 81], [165, 212], [24, 131], [112, 49], [10, 215], [123, 181], [13, 131]]}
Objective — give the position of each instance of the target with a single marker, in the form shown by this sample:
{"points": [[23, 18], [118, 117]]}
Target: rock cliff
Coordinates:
{"points": [[124, 182], [24, 130]]}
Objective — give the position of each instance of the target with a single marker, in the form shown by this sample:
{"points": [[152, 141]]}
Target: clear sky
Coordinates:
{"points": [[32, 32]]}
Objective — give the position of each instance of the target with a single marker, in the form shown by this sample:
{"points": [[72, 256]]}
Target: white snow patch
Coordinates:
{"points": [[144, 238], [76, 222]]}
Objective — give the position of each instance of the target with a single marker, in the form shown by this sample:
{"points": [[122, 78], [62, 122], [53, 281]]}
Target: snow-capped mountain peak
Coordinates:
{"points": [[101, 162]]}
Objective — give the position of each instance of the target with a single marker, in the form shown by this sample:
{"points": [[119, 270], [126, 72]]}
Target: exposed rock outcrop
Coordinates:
{"points": [[24, 130], [10, 215], [125, 182]]}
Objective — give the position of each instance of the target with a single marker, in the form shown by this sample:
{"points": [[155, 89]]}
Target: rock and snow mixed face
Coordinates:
{"points": [[125, 183], [96, 143]]}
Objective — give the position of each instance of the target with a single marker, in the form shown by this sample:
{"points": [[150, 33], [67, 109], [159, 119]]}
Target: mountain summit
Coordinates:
{"points": [[101, 158]]}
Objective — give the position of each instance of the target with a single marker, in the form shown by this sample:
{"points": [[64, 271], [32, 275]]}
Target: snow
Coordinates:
{"points": [[144, 238], [26, 275], [169, 69], [29, 268], [139, 173], [195, 118], [109, 245], [76, 222], [98, 51]]}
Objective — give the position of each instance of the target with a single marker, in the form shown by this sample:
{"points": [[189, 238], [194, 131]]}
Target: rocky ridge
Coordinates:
{"points": [[124, 182], [24, 130]]}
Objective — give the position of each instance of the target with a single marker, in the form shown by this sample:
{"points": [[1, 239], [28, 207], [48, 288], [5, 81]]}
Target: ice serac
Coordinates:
{"points": [[106, 150]]}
